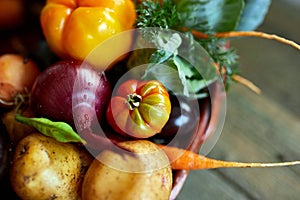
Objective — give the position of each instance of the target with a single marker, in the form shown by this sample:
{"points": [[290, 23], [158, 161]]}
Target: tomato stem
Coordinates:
{"points": [[133, 101]]}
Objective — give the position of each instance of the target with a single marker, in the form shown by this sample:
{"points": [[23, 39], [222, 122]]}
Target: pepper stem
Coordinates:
{"points": [[133, 101]]}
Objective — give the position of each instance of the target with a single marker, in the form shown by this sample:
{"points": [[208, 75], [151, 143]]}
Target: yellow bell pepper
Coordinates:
{"points": [[74, 28]]}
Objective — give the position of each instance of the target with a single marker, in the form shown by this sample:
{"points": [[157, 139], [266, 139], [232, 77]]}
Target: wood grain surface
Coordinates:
{"points": [[259, 128]]}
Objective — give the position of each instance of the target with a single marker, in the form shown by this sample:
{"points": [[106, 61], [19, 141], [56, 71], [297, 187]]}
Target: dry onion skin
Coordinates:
{"points": [[17, 75]]}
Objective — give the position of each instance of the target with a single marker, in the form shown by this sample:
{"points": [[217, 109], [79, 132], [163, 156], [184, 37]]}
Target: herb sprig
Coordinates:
{"points": [[153, 14], [225, 57]]}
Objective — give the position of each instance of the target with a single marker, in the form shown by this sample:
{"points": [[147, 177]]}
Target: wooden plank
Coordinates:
{"points": [[258, 129], [273, 66], [251, 133], [208, 184], [283, 19], [268, 121]]}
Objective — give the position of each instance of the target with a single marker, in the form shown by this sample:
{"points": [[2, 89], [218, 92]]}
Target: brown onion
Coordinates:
{"points": [[17, 75]]}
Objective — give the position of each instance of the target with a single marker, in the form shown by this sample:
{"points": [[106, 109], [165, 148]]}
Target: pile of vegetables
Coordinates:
{"points": [[80, 117]]}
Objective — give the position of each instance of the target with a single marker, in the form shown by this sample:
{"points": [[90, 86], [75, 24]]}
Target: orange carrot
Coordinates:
{"points": [[231, 34], [181, 159], [246, 83]]}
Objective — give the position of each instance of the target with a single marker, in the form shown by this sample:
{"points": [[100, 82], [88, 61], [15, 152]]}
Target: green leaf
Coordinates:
{"points": [[178, 61], [191, 78], [60, 131], [168, 42], [167, 74], [184, 72], [179, 77], [210, 16], [184, 67], [253, 14]]}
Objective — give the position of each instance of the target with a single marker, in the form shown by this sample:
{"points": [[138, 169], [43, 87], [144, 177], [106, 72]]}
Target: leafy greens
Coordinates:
{"points": [[205, 16]]}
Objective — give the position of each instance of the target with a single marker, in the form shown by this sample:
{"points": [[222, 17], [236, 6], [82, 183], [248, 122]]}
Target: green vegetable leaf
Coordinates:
{"points": [[201, 15], [60, 131], [186, 73], [210, 16], [253, 14], [168, 42], [182, 65], [168, 75]]}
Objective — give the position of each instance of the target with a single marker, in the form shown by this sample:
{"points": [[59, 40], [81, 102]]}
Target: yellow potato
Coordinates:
{"points": [[144, 174], [43, 168], [17, 130]]}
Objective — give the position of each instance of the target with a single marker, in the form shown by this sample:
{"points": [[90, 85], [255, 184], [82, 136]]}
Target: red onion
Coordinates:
{"points": [[71, 87]]}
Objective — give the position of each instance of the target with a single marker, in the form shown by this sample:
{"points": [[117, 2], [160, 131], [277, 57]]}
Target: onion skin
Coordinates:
{"points": [[17, 74], [52, 94]]}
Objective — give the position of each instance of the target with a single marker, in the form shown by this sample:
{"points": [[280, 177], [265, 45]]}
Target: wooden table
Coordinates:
{"points": [[259, 128]]}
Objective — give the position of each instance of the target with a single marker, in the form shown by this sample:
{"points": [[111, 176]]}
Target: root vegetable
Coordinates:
{"points": [[186, 160], [142, 171], [17, 74], [43, 168], [69, 91], [15, 129]]}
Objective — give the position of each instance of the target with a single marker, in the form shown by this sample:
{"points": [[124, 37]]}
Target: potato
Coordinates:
{"points": [[15, 129], [144, 174], [43, 168]]}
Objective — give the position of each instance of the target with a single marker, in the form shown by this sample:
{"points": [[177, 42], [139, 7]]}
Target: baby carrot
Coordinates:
{"points": [[182, 159]]}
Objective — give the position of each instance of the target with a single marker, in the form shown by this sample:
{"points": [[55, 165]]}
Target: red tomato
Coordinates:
{"points": [[139, 109]]}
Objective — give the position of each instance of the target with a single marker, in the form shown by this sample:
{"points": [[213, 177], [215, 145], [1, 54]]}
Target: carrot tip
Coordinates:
{"points": [[187, 160]]}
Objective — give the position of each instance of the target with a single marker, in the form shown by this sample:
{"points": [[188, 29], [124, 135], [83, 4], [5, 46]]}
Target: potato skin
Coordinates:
{"points": [[43, 168], [112, 178], [15, 129]]}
